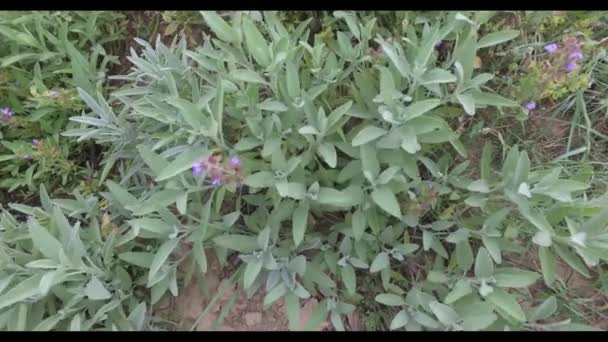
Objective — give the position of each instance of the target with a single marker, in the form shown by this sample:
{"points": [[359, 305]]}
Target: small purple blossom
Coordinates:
{"points": [[531, 105], [235, 162], [570, 67], [439, 44], [35, 141], [551, 48], [216, 182], [576, 55], [7, 111], [197, 168]]}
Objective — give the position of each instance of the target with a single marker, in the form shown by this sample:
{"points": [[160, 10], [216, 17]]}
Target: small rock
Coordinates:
{"points": [[253, 318]]}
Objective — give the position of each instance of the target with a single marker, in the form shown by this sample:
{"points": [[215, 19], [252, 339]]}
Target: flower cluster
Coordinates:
{"points": [[219, 172], [7, 114], [531, 105], [568, 55], [555, 74]]}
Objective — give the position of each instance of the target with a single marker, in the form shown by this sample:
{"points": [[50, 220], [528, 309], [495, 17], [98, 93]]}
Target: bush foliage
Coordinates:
{"points": [[336, 163]]}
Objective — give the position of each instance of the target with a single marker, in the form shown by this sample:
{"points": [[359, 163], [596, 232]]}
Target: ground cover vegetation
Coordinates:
{"points": [[408, 170]]}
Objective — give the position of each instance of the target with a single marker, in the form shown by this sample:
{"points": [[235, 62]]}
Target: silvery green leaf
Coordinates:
{"points": [[22, 291], [273, 106], [507, 303], [95, 290], [230, 219], [262, 179], [141, 259], [293, 311], [409, 143], [43, 241], [381, 261], [514, 277], [407, 248], [298, 265], [579, 239], [263, 238], [461, 289], [336, 321], [330, 196], [272, 280], [358, 263], [436, 277], [484, 266], [328, 153], [75, 323], [220, 27], [301, 292], [419, 108], [390, 299], [388, 174], [304, 130], [493, 247], [478, 322], [276, 293], [571, 259], [400, 320], [438, 75], [542, 238], [524, 189], [425, 320], [161, 256], [252, 270], [479, 186], [359, 223], [464, 255], [300, 222], [43, 264], [442, 225], [468, 103], [386, 200], [248, 76], [476, 200], [427, 239], [368, 134], [137, 316], [498, 37], [256, 44], [544, 310], [445, 314], [458, 236], [349, 279], [270, 262]]}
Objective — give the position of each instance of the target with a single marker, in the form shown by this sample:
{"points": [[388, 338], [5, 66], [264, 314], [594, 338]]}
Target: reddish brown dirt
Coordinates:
{"points": [[245, 315]]}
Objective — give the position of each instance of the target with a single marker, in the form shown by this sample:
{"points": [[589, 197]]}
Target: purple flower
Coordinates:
{"points": [[576, 55], [7, 111], [216, 182], [551, 48], [235, 162], [531, 105], [197, 168], [570, 67], [35, 141], [439, 44]]}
